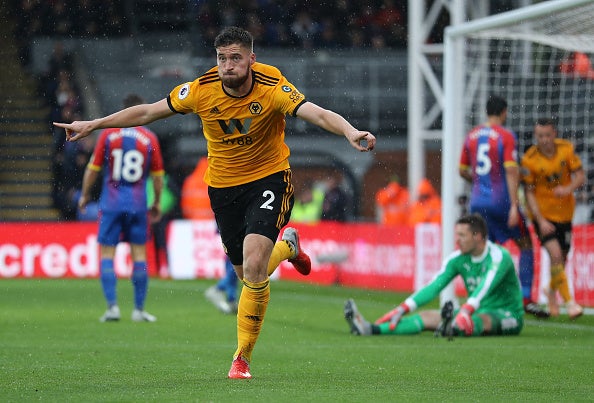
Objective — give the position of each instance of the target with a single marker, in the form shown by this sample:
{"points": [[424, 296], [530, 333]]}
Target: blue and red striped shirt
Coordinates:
{"points": [[487, 151], [126, 156]]}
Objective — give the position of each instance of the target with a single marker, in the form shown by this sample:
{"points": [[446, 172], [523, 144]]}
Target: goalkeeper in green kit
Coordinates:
{"points": [[494, 305]]}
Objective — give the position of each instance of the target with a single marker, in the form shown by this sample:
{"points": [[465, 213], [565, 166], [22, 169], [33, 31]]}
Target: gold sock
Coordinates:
{"points": [[559, 281], [556, 270], [280, 252], [250, 316]]}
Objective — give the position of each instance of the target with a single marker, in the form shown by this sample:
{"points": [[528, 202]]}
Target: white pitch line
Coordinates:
{"points": [[574, 326]]}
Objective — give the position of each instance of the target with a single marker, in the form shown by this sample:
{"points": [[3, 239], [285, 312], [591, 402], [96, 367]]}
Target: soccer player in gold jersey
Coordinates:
{"points": [[552, 171], [242, 105]]}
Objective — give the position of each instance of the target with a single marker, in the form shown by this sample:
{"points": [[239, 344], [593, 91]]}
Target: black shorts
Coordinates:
{"points": [[562, 234], [260, 207]]}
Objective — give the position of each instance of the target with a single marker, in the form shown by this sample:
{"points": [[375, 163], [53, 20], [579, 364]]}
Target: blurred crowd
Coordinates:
{"points": [[395, 206], [58, 86], [274, 23], [323, 200], [66, 18], [305, 24], [70, 17]]}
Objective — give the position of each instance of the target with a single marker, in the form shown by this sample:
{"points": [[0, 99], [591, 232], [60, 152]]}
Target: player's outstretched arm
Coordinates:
{"points": [[334, 123], [130, 117]]}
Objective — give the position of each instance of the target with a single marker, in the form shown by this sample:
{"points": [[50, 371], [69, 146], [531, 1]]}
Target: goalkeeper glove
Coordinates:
{"points": [[464, 321], [394, 316]]}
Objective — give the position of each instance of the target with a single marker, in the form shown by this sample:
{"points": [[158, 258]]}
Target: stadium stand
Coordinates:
{"points": [[25, 140]]}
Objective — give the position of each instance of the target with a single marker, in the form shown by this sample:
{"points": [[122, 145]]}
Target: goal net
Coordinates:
{"points": [[540, 59]]}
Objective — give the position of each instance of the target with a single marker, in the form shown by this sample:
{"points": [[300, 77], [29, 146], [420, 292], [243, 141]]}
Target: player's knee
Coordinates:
{"points": [[254, 268]]}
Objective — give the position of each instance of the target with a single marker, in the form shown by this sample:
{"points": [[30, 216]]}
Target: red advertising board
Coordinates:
{"points": [[355, 254], [56, 250]]}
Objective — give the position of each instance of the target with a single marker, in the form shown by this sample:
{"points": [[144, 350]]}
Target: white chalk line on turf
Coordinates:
{"points": [[200, 286], [569, 326]]}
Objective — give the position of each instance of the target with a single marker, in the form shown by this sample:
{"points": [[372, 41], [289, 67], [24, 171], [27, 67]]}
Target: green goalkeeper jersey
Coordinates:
{"points": [[490, 279]]}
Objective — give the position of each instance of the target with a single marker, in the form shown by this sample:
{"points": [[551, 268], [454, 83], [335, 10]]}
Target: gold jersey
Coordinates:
{"points": [[245, 135], [544, 174]]}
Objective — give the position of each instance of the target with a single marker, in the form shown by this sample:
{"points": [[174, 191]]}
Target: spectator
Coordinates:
{"points": [[577, 64], [229, 16], [68, 165], [308, 204], [378, 41], [254, 24], [328, 37], [335, 203], [356, 38], [62, 18], [305, 29], [276, 28], [427, 208], [392, 204], [387, 16], [89, 18]]}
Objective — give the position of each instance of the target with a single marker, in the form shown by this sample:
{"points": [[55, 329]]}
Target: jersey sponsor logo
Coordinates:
{"points": [[554, 178], [184, 91], [255, 108], [215, 110], [242, 127], [296, 96], [286, 88]]}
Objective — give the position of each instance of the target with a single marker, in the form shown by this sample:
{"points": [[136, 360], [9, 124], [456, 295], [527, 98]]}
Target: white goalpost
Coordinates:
{"points": [[523, 56]]}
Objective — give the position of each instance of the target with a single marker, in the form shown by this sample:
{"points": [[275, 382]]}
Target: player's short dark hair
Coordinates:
{"points": [[496, 105], [544, 121], [477, 223], [131, 100], [234, 35]]}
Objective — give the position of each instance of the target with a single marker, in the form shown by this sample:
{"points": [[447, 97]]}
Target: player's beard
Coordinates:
{"points": [[235, 82]]}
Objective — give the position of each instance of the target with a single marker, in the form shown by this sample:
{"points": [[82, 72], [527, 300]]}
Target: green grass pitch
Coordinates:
{"points": [[53, 348]]}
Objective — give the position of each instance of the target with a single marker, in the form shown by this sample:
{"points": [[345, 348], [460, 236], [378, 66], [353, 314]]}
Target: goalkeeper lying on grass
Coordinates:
{"points": [[494, 306]]}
